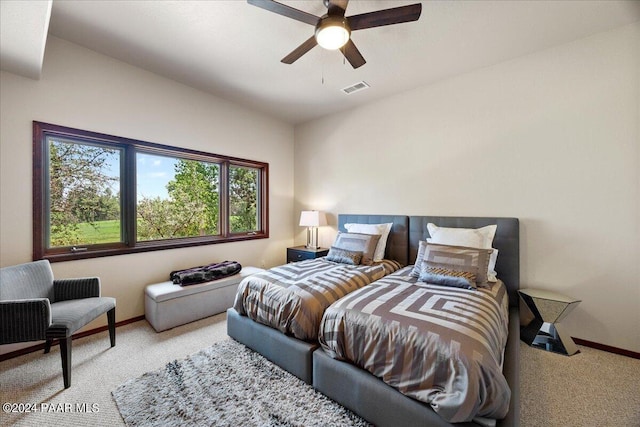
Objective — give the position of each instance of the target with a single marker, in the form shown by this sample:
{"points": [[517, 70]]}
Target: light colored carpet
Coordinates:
{"points": [[98, 369], [227, 385], [593, 388]]}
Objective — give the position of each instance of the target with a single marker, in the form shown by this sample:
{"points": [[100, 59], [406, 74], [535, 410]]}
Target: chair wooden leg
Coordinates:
{"points": [[65, 354], [111, 319], [47, 346]]}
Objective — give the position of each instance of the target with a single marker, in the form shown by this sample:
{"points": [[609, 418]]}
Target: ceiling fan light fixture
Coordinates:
{"points": [[332, 32]]}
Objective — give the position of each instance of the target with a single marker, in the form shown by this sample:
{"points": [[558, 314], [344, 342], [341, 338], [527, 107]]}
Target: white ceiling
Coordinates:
{"points": [[233, 50], [23, 36]]}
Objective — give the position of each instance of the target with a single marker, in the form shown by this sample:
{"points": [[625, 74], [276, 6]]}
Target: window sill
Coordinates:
{"points": [[156, 245]]}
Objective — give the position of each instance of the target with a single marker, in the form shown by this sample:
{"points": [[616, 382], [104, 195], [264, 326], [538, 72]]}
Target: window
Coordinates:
{"points": [[98, 195], [176, 197], [243, 199]]}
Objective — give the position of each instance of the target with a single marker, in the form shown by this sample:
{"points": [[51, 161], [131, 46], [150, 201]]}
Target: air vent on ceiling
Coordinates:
{"points": [[355, 88]]}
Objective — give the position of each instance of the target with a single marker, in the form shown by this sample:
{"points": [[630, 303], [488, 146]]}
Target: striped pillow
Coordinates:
{"points": [[382, 229], [365, 243], [470, 264]]}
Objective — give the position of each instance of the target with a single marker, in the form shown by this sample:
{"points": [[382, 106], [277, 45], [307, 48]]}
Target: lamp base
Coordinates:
{"points": [[312, 238]]}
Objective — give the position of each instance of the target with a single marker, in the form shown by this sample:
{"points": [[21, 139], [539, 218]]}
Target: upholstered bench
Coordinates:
{"points": [[167, 305]]}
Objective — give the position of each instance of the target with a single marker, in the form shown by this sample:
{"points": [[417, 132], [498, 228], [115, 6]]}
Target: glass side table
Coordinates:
{"points": [[540, 311]]}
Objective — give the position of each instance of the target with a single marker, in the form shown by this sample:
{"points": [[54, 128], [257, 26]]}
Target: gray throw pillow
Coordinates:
{"points": [[365, 243], [458, 261], [344, 256], [444, 280]]}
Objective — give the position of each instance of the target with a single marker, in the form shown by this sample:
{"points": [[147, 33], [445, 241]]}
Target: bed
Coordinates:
{"points": [[383, 405], [285, 332], [292, 297]]}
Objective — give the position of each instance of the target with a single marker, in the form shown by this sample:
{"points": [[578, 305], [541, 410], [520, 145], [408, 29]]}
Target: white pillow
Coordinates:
{"points": [[471, 237], [382, 229], [491, 274]]}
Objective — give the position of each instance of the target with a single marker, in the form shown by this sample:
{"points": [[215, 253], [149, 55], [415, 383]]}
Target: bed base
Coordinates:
{"points": [[382, 405], [291, 354]]}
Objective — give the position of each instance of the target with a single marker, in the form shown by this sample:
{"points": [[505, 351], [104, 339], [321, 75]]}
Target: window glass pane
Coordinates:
{"points": [[176, 197], [243, 199], [84, 194]]}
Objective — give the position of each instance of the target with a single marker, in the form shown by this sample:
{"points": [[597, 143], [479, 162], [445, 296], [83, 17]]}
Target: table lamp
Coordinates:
{"points": [[312, 220]]}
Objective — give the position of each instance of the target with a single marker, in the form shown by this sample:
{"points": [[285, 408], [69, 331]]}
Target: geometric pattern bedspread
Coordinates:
{"points": [[440, 345], [292, 297]]}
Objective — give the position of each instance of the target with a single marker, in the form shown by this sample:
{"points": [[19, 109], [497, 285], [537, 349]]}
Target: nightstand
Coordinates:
{"points": [[540, 311], [300, 253]]}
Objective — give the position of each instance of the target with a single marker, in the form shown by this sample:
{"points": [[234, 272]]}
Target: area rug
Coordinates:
{"points": [[226, 385]]}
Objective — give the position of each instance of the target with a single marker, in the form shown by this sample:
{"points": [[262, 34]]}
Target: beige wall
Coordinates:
{"points": [[552, 138], [82, 89]]}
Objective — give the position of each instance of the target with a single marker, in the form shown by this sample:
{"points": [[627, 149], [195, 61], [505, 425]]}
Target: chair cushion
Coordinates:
{"points": [[25, 281], [69, 316]]}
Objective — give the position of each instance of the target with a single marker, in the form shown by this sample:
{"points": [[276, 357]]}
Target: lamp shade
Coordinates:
{"points": [[312, 219]]}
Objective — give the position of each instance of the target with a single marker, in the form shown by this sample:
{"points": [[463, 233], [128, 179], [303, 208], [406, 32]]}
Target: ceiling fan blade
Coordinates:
{"points": [[284, 10], [353, 55], [300, 50], [337, 7], [391, 16]]}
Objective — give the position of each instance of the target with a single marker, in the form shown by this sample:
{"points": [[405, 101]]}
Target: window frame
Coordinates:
{"points": [[129, 147]]}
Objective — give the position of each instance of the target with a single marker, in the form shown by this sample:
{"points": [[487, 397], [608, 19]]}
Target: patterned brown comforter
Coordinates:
{"points": [[293, 297], [440, 345]]}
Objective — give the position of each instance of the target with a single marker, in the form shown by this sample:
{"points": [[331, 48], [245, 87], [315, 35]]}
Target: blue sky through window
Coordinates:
{"points": [[154, 173]]}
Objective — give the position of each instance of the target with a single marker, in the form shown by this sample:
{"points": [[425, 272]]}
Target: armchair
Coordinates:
{"points": [[35, 306]]}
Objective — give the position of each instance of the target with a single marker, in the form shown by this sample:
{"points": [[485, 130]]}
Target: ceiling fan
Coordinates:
{"points": [[333, 30]]}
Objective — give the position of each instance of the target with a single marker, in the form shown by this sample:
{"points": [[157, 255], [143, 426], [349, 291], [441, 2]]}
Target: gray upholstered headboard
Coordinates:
{"points": [[407, 232], [398, 241], [506, 241]]}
